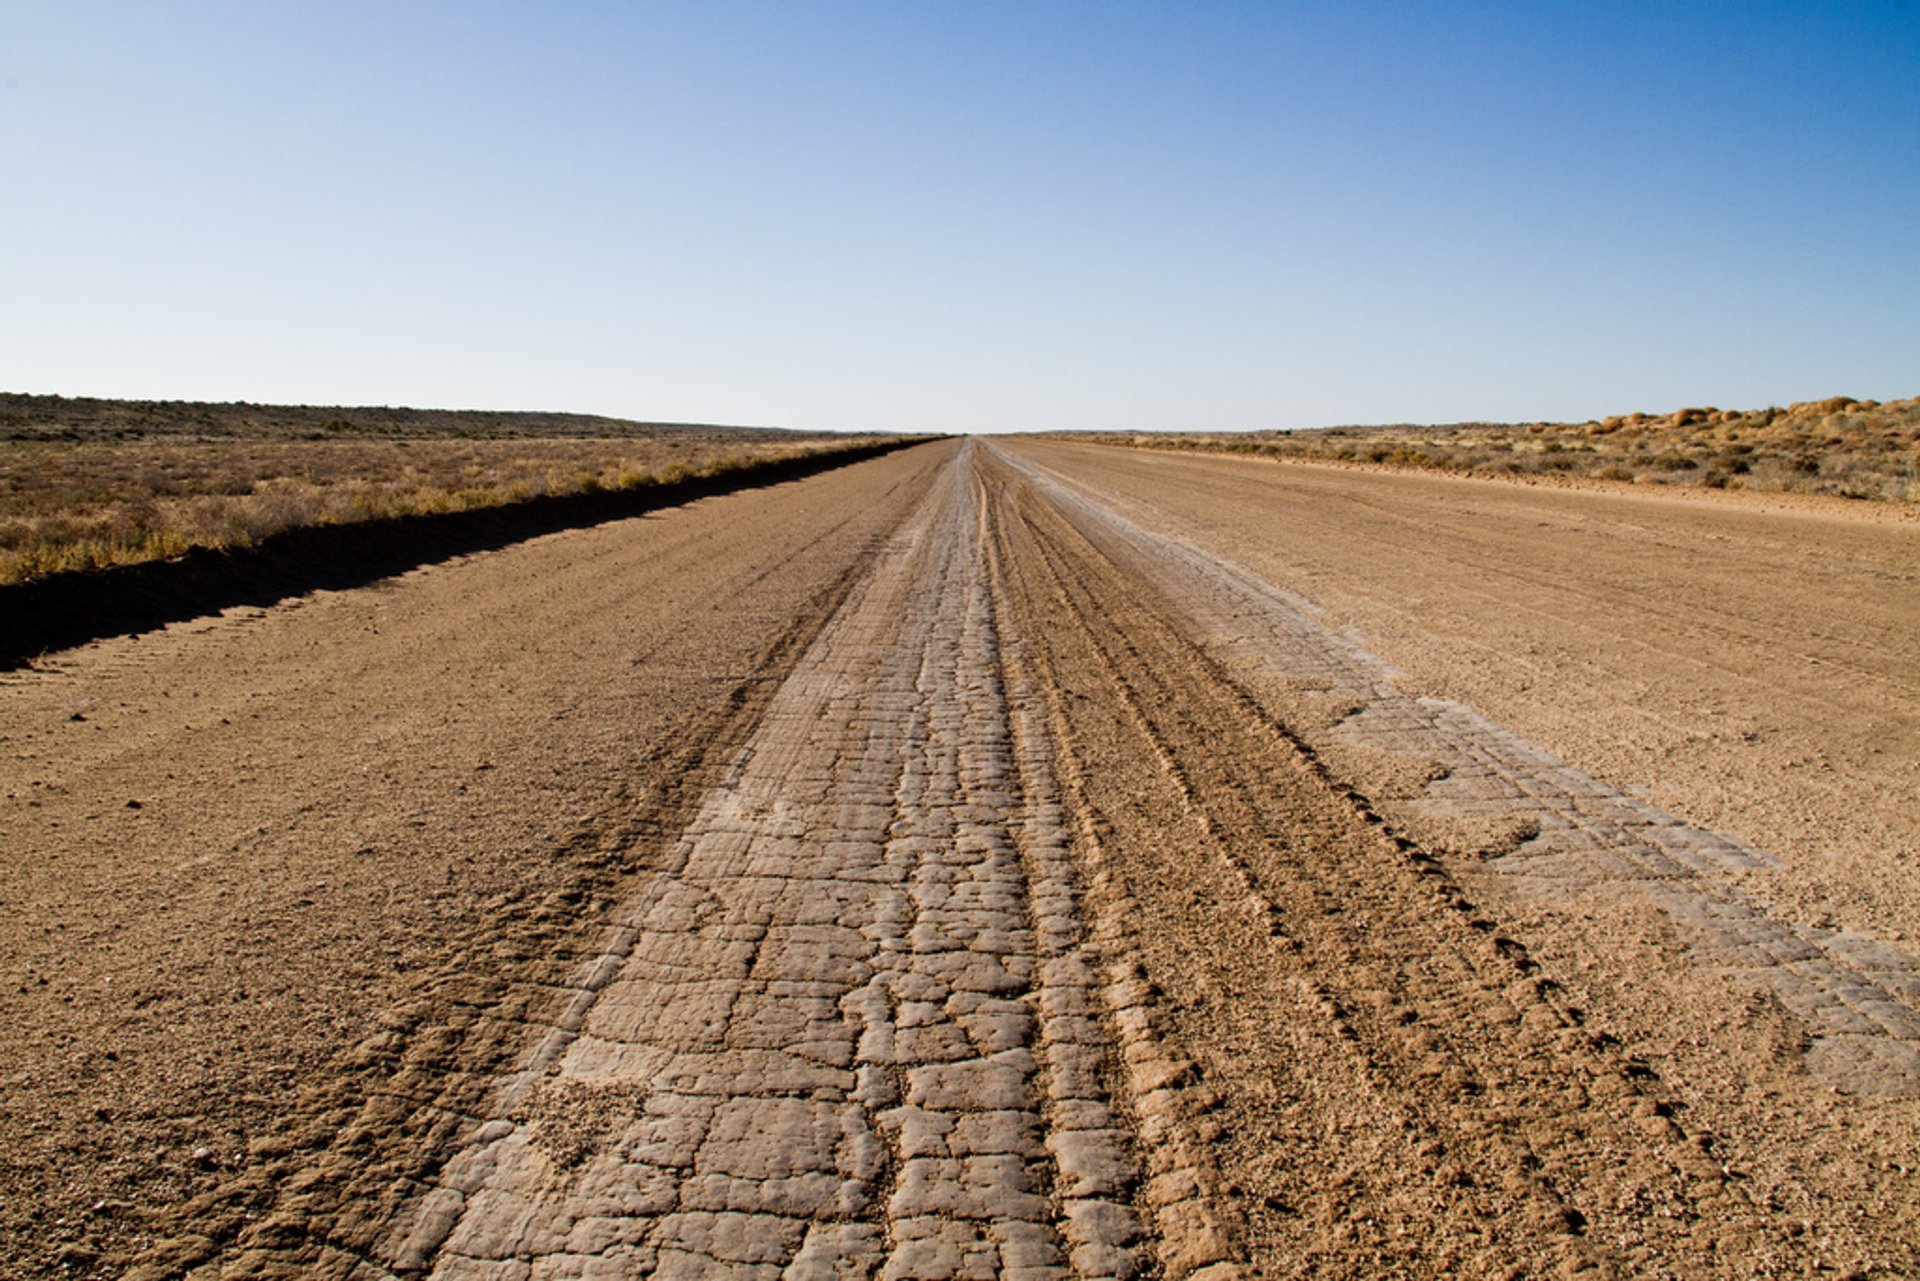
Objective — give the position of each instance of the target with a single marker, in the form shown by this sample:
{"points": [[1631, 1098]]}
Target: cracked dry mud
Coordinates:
{"points": [[1078, 903], [854, 1025]]}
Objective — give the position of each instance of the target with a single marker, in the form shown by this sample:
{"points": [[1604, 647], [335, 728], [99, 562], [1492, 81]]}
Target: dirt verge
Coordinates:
{"points": [[70, 609]]}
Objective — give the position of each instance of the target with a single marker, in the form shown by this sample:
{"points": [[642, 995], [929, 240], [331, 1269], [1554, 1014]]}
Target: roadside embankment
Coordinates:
{"points": [[63, 610]]}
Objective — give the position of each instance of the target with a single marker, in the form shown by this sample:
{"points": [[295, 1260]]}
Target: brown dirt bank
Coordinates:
{"points": [[87, 483]]}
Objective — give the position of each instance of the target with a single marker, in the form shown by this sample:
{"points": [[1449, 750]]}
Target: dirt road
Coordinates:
{"points": [[993, 859]]}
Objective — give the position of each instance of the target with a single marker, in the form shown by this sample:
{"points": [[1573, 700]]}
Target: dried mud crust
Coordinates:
{"points": [[856, 1025]]}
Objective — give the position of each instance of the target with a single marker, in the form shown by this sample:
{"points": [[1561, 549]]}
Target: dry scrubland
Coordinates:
{"points": [[1840, 446], [87, 483]]}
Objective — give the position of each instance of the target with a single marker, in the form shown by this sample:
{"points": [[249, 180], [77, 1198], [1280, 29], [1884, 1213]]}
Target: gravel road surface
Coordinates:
{"points": [[1000, 858]]}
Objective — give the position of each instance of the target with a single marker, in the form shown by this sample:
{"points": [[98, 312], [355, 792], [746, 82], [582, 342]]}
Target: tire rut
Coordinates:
{"points": [[1556, 830]]}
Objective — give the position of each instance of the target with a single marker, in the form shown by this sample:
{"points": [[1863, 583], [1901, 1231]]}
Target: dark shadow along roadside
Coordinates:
{"points": [[65, 610]]}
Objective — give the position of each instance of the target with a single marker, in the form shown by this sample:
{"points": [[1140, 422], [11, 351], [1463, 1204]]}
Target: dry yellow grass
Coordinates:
{"points": [[1838, 446], [86, 484]]}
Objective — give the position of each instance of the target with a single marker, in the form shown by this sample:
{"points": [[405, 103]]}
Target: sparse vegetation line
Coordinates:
{"points": [[1840, 446], [62, 610], [87, 484]]}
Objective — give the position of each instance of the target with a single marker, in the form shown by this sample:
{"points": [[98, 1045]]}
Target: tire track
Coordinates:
{"points": [[1197, 1231]]}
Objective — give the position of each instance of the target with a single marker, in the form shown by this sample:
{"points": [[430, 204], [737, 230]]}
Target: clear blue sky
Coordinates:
{"points": [[963, 216]]}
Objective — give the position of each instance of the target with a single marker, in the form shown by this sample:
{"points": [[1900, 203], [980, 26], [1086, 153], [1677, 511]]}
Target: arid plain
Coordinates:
{"points": [[994, 858]]}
